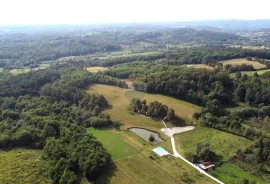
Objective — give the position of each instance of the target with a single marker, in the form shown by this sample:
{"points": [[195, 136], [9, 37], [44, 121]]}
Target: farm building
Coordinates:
{"points": [[207, 166]]}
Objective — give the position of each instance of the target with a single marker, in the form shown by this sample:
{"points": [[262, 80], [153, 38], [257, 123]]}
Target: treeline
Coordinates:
{"points": [[212, 54], [21, 50], [253, 90], [197, 86], [115, 60], [139, 69], [154, 109], [49, 110], [235, 68], [31, 82]]}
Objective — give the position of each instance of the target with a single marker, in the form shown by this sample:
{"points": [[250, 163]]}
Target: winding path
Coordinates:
{"points": [[176, 154]]}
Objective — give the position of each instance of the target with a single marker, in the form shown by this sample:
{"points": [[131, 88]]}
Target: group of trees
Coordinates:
{"points": [[197, 86], [49, 110], [154, 109], [234, 68], [203, 153]]}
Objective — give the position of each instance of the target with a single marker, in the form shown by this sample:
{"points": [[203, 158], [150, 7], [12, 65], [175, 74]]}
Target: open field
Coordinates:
{"points": [[141, 169], [120, 99], [224, 144], [229, 173], [22, 166], [201, 66], [250, 73], [45, 65], [117, 147], [255, 64], [95, 69], [126, 53], [20, 71]]}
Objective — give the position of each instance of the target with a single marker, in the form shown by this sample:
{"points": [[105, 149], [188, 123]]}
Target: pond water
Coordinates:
{"points": [[145, 134]]}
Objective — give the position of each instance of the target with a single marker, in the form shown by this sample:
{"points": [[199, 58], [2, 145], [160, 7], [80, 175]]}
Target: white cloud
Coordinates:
{"points": [[104, 11]]}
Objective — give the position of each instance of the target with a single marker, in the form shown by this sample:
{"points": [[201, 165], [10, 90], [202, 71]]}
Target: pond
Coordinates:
{"points": [[145, 134]]}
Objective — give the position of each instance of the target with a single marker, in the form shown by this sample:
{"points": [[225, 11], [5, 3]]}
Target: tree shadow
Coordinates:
{"points": [[107, 174], [179, 122], [109, 106]]}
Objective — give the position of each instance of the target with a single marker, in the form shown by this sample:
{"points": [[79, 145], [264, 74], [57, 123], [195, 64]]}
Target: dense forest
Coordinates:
{"points": [[49, 110]]}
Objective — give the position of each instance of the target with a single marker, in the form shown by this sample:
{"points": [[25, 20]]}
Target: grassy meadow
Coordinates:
{"points": [[20, 71], [23, 166], [229, 173], [119, 99], [114, 144], [255, 64], [223, 143], [250, 73], [95, 69], [200, 66], [139, 168]]}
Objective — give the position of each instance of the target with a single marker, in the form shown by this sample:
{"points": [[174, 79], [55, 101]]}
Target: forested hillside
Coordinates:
{"points": [[212, 80], [49, 110]]}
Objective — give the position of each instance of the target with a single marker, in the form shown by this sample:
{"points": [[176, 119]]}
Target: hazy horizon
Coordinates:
{"points": [[30, 12]]}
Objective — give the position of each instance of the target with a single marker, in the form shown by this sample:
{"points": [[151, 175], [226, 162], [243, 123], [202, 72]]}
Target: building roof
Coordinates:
{"points": [[209, 166]]}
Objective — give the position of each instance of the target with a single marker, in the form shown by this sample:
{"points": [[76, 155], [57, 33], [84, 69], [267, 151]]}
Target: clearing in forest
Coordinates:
{"points": [[222, 143], [201, 66], [95, 69], [119, 99], [117, 147], [23, 166], [20, 71], [255, 64]]}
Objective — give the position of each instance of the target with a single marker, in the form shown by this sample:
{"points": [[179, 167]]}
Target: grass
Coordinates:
{"points": [[46, 65], [224, 144], [1, 70], [250, 73], [119, 99], [22, 166], [229, 173], [95, 69], [117, 147], [201, 66], [255, 64], [126, 53], [20, 71], [141, 169]]}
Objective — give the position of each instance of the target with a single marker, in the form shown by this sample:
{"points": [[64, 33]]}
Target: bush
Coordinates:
{"points": [[151, 138]]}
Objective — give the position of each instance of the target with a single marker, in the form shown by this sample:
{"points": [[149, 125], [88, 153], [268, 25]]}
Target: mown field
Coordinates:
{"points": [[201, 66], [114, 144], [95, 69], [255, 64], [119, 99], [229, 173], [20, 71], [139, 168], [22, 166], [224, 144], [250, 73]]}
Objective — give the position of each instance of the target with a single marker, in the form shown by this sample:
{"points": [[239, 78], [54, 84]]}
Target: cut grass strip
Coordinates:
{"points": [[117, 147]]}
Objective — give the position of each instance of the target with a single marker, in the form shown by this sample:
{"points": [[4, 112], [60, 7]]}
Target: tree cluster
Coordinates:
{"points": [[154, 109]]}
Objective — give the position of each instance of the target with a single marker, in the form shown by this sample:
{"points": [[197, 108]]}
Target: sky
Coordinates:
{"points": [[127, 11]]}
